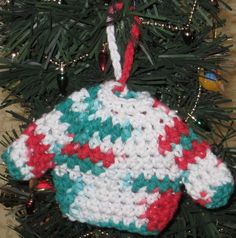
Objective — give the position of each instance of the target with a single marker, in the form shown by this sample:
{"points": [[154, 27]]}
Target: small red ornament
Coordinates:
{"points": [[44, 185], [102, 59]]}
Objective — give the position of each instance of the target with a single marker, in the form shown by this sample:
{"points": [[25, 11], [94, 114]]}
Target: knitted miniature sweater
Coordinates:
{"points": [[119, 160]]}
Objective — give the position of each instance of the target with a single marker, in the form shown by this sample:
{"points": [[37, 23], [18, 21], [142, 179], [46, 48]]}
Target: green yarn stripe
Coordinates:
{"points": [[154, 182], [221, 196], [13, 170], [83, 127], [64, 196], [85, 164]]}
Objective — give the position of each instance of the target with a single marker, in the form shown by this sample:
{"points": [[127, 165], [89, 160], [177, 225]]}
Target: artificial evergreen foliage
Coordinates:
{"points": [[43, 33]]}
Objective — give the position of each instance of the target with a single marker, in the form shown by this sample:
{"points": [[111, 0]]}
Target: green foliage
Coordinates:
{"points": [[39, 29], [165, 65]]}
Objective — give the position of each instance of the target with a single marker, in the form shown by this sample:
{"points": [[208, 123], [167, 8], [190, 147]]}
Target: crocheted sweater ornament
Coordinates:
{"points": [[119, 158]]}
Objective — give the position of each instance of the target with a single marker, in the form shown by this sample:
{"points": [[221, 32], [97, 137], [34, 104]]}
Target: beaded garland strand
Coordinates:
{"points": [[119, 158]]}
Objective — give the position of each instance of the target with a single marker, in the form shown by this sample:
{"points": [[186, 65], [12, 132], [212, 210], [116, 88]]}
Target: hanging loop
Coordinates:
{"points": [[121, 74]]}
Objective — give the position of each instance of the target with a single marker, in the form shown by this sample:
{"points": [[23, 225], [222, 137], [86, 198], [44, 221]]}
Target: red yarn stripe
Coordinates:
{"points": [[173, 135], [159, 104], [95, 154], [203, 202], [39, 158], [189, 156], [161, 211]]}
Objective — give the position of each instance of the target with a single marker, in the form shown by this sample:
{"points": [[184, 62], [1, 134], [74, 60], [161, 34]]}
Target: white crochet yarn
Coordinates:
{"points": [[209, 173], [19, 150], [114, 53], [53, 129]]}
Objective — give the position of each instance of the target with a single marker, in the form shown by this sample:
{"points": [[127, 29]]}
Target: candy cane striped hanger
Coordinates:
{"points": [[121, 74]]}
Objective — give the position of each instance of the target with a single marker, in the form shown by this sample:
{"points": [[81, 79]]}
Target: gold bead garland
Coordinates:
{"points": [[194, 7], [61, 65], [59, 2], [103, 234], [91, 234], [190, 115], [170, 26], [161, 25]]}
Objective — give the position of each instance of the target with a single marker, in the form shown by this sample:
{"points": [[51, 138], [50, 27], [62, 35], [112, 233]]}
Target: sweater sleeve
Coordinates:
{"points": [[32, 154], [207, 180]]}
